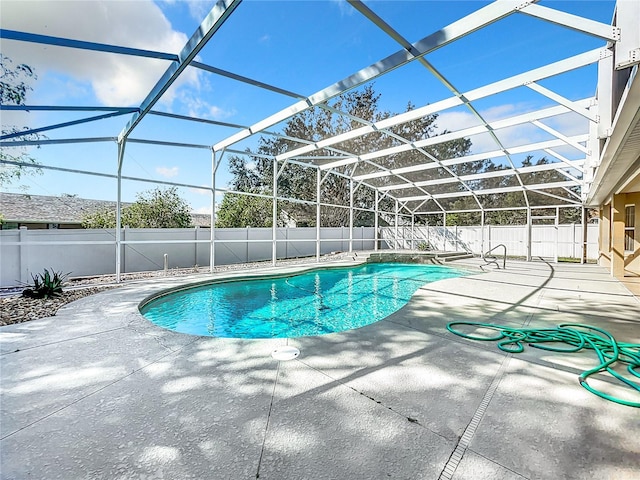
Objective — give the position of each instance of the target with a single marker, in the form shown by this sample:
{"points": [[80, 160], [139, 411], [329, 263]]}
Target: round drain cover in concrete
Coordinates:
{"points": [[285, 353]]}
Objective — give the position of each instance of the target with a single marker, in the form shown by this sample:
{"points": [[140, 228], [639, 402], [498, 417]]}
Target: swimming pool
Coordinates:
{"points": [[312, 303]]}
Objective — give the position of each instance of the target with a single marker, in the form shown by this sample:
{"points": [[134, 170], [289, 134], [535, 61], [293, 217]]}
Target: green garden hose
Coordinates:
{"points": [[577, 336]]}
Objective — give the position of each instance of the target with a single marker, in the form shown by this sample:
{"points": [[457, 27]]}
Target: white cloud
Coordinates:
{"points": [[204, 210], [200, 191], [198, 9], [197, 107], [568, 124], [218, 113], [251, 165], [116, 80], [167, 172], [456, 120], [499, 112], [343, 7]]}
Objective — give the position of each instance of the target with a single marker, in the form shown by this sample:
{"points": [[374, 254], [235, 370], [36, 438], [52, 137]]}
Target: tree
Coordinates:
{"points": [[156, 208], [14, 85], [239, 211], [299, 182]]}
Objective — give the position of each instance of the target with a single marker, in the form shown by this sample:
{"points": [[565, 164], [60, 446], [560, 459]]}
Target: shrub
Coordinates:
{"points": [[45, 285]]}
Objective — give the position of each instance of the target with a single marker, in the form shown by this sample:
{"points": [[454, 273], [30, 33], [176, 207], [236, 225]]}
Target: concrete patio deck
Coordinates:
{"points": [[97, 392]]}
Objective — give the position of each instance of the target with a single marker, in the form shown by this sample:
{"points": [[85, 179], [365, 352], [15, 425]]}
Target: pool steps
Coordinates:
{"points": [[410, 256]]}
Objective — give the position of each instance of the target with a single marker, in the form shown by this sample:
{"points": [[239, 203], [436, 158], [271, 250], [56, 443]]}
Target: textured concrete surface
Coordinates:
{"points": [[98, 392]]}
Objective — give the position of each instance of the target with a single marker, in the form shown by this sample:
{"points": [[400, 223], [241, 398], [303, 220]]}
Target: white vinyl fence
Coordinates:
{"points": [[92, 252], [547, 241]]}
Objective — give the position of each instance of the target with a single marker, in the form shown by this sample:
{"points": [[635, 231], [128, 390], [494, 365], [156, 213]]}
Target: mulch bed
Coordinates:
{"points": [[18, 309]]}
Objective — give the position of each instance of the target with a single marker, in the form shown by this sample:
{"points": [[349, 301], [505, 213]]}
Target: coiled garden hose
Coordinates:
{"points": [[577, 336]]}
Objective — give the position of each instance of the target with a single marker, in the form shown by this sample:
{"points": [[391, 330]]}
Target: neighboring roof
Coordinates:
{"points": [[23, 208]]}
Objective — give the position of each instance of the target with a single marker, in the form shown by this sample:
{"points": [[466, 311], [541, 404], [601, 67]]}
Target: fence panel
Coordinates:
{"points": [[545, 239], [23, 252], [10, 260]]}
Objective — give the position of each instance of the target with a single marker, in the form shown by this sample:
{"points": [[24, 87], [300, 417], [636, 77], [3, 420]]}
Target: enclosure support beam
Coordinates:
{"points": [[627, 49], [375, 224], [482, 232], [212, 245], [274, 217], [318, 183], [351, 215], [396, 226], [444, 231], [557, 232], [583, 250], [413, 235], [574, 22], [529, 220], [575, 106], [121, 146]]}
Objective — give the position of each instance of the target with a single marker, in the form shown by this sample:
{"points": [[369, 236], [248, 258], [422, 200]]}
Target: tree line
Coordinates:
{"points": [[253, 173]]}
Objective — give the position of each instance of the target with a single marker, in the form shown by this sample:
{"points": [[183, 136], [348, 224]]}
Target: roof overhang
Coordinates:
{"points": [[619, 167]]}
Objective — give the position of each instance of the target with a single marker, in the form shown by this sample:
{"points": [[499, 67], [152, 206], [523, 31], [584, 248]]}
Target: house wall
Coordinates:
{"points": [[632, 260], [11, 225], [604, 256], [612, 233]]}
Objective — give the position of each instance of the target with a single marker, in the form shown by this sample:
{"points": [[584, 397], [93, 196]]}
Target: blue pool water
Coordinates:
{"points": [[312, 303]]}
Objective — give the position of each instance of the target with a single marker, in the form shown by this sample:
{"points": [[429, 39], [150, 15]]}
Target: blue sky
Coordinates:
{"points": [[301, 46]]}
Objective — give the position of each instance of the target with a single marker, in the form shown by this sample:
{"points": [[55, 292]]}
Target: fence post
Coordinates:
{"points": [[444, 231], [351, 215], [123, 249], [482, 233], [529, 233], [585, 236], [248, 233], [395, 243], [557, 229], [342, 235], [195, 247], [375, 225], [455, 232], [24, 255]]}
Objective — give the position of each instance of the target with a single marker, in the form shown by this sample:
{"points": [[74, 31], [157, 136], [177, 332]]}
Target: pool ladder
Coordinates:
{"points": [[492, 259]]}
